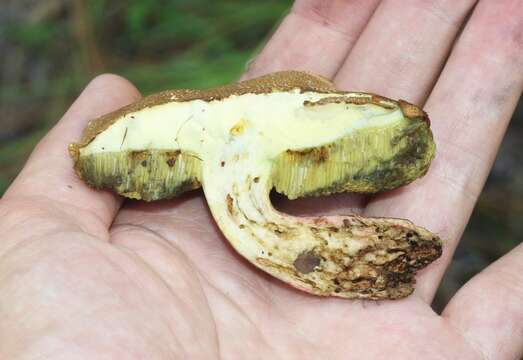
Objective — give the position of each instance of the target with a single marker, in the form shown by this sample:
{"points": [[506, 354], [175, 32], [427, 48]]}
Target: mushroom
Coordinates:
{"points": [[296, 133]]}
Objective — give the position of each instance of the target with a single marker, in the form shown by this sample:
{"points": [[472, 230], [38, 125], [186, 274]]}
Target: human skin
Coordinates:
{"points": [[83, 275]]}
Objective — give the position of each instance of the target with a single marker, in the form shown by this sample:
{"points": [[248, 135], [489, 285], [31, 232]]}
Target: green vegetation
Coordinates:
{"points": [[157, 44]]}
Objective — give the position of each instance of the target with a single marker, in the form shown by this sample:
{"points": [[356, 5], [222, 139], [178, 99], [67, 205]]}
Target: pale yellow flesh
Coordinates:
{"points": [[268, 123], [237, 140]]}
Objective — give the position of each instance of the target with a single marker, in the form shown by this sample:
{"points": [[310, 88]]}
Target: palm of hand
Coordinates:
{"points": [[82, 279], [164, 283]]}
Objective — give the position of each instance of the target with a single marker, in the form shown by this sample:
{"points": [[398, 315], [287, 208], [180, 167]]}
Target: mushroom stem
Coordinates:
{"points": [[347, 256]]}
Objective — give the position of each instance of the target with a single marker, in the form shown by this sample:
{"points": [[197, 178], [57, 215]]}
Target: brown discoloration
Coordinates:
{"points": [[384, 268], [172, 156], [323, 154], [196, 184], [139, 156], [306, 262], [230, 206], [303, 152], [142, 175], [320, 220], [318, 155], [256, 179], [265, 263], [412, 111], [278, 229], [364, 99]]}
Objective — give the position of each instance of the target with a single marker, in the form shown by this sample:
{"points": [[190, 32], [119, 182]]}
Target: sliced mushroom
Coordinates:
{"points": [[290, 131]]}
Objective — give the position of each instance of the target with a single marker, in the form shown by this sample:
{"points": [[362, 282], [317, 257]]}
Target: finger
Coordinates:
{"points": [[316, 36], [49, 171], [398, 54], [403, 48], [488, 309], [470, 108]]}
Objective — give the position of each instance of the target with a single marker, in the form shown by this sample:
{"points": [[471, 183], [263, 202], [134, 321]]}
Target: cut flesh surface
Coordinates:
{"points": [[293, 132]]}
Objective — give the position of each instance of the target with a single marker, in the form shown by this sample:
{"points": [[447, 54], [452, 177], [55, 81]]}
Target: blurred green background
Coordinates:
{"points": [[51, 48]]}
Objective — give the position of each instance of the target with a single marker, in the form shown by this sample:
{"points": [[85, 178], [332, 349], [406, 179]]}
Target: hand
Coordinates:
{"points": [[83, 277]]}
